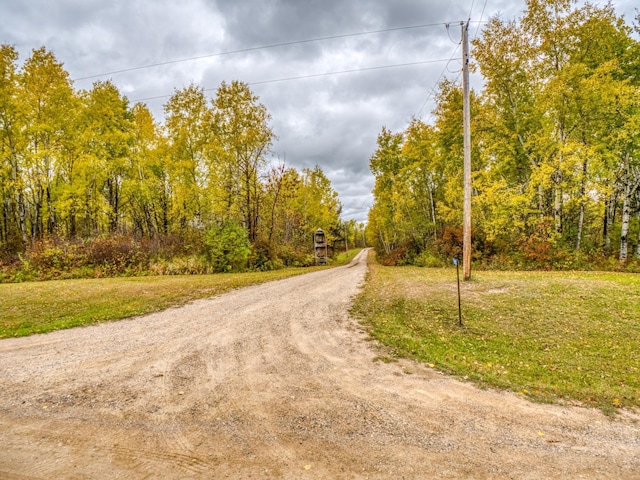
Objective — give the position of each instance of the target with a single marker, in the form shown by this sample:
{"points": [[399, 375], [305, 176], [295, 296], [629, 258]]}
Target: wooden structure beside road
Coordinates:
{"points": [[320, 247]]}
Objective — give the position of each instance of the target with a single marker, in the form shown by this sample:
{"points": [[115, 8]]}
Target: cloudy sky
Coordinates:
{"points": [[391, 55]]}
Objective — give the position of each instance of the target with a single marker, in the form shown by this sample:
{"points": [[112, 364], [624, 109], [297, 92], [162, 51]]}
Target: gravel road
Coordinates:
{"points": [[276, 381]]}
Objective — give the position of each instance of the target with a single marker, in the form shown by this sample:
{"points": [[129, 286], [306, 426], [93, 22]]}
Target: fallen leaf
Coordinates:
{"points": [[307, 467]]}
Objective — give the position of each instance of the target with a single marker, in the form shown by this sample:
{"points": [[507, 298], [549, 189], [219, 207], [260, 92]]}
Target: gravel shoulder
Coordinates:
{"points": [[276, 381]]}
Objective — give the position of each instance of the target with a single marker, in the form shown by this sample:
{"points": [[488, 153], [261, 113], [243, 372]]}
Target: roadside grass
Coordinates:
{"points": [[570, 337], [40, 307], [343, 258]]}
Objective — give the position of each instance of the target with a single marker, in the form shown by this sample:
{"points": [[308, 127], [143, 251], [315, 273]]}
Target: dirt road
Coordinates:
{"points": [[275, 381]]}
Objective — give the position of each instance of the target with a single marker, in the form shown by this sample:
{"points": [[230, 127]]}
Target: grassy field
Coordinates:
{"points": [[551, 336], [40, 307]]}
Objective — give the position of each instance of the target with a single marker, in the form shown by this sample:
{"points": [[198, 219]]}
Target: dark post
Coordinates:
{"points": [[455, 262]]}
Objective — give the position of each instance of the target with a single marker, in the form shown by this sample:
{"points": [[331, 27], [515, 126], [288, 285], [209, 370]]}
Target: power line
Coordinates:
{"points": [[446, 67], [480, 22], [455, 42], [262, 47], [315, 75], [364, 69], [471, 9]]}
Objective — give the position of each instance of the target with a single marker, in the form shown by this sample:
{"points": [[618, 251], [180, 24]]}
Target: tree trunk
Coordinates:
{"points": [[276, 196], [385, 244], [20, 205], [541, 203], [557, 209], [626, 207], [72, 218], [631, 184], [609, 210], [638, 246], [37, 227], [557, 200], [625, 222], [22, 216], [51, 221], [583, 180], [580, 225], [433, 215]]}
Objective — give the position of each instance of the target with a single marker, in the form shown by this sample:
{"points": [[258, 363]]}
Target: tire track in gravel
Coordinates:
{"points": [[275, 381]]}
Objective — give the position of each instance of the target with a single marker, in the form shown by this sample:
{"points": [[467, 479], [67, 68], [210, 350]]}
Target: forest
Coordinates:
{"points": [[89, 181], [555, 150]]}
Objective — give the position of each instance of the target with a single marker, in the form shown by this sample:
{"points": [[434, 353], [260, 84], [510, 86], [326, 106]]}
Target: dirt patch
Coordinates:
{"points": [[276, 381]]}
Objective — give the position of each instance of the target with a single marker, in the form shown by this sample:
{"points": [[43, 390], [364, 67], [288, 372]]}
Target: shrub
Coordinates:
{"points": [[117, 254], [54, 254], [227, 247], [543, 249], [260, 257], [429, 260], [394, 257], [290, 256], [450, 244]]}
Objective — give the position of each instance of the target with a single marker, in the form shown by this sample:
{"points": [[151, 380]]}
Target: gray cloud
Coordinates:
{"points": [[331, 121]]}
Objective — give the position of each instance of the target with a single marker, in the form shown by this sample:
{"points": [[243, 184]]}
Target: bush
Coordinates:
{"points": [[260, 257], [53, 254], [290, 256], [429, 260], [393, 258], [450, 244], [117, 255], [227, 247]]}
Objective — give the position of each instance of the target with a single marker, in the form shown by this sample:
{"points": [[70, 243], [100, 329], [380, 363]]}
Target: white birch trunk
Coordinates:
{"points": [[625, 219], [638, 246]]}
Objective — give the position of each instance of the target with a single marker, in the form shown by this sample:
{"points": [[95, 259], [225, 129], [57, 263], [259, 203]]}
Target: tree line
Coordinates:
{"points": [[77, 165], [555, 149]]}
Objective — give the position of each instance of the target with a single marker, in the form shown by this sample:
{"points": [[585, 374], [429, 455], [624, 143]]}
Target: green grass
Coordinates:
{"points": [[40, 307], [343, 258], [546, 335]]}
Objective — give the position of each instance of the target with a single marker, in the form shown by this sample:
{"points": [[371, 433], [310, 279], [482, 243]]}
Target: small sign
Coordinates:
{"points": [[455, 261]]}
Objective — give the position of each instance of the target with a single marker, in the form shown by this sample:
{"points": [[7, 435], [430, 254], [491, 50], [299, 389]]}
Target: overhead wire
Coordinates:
{"points": [[261, 47], [480, 21], [305, 41], [432, 90], [471, 9], [315, 75], [447, 25], [446, 67]]}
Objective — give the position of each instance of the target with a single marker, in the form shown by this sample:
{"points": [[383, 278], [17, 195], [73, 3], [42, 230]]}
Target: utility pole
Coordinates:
{"points": [[466, 225]]}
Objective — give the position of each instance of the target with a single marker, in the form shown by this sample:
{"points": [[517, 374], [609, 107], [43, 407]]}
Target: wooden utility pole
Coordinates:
{"points": [[466, 225]]}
